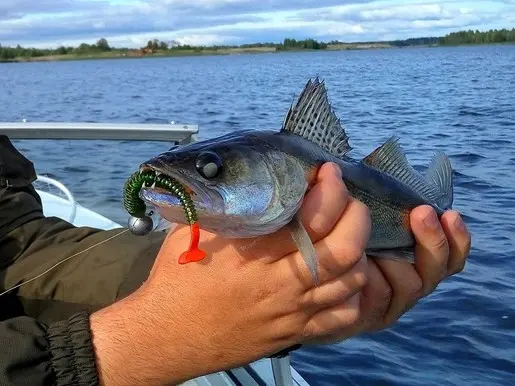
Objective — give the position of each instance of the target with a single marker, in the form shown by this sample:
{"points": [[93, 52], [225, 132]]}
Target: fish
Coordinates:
{"points": [[249, 183]]}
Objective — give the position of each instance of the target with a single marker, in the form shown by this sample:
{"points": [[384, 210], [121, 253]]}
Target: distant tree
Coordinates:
{"points": [[83, 48], [61, 51], [103, 45]]}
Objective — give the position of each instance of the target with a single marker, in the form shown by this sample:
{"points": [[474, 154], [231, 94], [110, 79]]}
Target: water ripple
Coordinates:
{"points": [[458, 100]]}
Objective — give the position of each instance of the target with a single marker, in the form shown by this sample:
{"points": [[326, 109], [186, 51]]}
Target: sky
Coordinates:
{"points": [[131, 23]]}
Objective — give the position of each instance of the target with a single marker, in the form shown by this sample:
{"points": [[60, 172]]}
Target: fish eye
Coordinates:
{"points": [[209, 164]]}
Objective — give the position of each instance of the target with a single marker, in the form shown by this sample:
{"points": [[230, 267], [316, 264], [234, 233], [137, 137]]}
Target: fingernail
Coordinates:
{"points": [[336, 169], [431, 221], [459, 224]]}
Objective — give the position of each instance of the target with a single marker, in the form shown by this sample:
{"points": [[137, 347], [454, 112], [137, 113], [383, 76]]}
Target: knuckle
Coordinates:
{"points": [[360, 274], [310, 331], [441, 244], [414, 288], [354, 252], [378, 310], [322, 224], [353, 317], [361, 279], [384, 298]]}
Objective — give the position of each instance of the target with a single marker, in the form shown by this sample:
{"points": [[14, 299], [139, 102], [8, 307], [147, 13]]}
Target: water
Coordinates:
{"points": [[457, 99]]}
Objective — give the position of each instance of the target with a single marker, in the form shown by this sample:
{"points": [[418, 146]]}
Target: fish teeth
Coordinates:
{"points": [[153, 186], [158, 173]]}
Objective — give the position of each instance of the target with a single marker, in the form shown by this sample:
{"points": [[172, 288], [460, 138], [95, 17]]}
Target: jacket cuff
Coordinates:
{"points": [[73, 356]]}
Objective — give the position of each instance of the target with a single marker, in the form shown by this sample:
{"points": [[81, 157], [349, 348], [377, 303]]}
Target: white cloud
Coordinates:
{"points": [[206, 39], [133, 22]]}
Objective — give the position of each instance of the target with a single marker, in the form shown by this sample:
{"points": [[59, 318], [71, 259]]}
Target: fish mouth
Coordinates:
{"points": [[171, 206]]}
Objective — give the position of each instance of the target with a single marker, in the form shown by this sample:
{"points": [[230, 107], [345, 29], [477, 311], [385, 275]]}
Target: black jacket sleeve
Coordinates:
{"points": [[32, 353]]}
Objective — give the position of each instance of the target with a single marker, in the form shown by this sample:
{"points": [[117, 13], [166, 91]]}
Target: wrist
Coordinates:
{"points": [[132, 346]]}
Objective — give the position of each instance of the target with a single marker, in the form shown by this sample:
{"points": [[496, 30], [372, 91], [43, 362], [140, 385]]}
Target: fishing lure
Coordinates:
{"points": [[140, 223]]}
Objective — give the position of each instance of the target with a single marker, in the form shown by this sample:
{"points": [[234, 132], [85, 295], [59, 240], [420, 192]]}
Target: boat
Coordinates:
{"points": [[270, 372]]}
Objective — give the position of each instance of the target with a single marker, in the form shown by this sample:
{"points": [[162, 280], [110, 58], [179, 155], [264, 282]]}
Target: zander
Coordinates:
{"points": [[251, 183]]}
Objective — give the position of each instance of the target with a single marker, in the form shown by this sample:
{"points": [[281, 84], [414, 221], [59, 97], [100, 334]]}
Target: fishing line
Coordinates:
{"points": [[62, 261], [162, 224]]}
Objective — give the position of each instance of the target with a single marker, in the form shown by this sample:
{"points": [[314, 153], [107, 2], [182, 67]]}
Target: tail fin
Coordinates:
{"points": [[439, 173]]}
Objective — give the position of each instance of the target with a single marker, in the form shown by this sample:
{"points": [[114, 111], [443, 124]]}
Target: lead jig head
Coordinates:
{"points": [[140, 226]]}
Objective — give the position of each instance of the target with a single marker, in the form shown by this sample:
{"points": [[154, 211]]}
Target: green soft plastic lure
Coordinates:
{"points": [[143, 224]]}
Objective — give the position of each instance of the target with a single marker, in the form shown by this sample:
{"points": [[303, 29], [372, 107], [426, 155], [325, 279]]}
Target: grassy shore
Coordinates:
{"points": [[156, 48], [124, 54]]}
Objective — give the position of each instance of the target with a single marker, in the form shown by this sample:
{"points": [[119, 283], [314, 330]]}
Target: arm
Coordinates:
{"points": [[35, 354], [31, 243]]}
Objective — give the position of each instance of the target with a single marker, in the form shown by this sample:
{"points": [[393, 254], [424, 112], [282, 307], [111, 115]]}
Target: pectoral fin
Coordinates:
{"points": [[306, 248]]}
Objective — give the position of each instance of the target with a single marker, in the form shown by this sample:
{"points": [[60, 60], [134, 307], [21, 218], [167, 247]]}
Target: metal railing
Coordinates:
{"points": [[100, 131]]}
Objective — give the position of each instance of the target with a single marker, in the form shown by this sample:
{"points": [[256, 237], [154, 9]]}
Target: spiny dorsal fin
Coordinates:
{"points": [[439, 173], [312, 118], [390, 159]]}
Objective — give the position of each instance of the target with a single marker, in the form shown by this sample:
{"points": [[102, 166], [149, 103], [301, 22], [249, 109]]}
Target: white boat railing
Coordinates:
{"points": [[100, 131], [67, 193]]}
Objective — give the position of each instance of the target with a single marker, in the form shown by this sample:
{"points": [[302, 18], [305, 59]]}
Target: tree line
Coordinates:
{"points": [[9, 53], [477, 37], [155, 45]]}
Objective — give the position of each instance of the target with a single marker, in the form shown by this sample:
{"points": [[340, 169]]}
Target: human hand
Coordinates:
{"points": [[394, 287], [248, 299]]}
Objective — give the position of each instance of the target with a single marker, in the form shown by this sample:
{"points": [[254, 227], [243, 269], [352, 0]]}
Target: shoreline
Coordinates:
{"points": [[124, 54]]}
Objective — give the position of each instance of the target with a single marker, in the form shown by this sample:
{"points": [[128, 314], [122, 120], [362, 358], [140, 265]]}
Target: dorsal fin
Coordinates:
{"points": [[312, 118], [390, 159]]}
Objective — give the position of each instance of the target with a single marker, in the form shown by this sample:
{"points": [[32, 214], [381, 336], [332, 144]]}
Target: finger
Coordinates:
{"points": [[339, 251], [376, 298], [406, 285], [331, 322], [374, 301], [338, 290], [432, 249], [325, 203], [459, 241]]}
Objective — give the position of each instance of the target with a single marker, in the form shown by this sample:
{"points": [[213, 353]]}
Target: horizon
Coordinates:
{"points": [[131, 23]]}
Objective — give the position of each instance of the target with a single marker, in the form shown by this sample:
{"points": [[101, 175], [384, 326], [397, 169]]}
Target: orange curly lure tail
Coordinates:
{"points": [[194, 253]]}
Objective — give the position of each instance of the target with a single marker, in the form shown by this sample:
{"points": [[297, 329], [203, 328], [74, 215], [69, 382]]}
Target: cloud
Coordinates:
{"points": [[44, 23], [19, 8]]}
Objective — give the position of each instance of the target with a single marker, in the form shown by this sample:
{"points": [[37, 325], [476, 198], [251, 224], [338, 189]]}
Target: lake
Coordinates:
{"points": [[456, 99]]}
